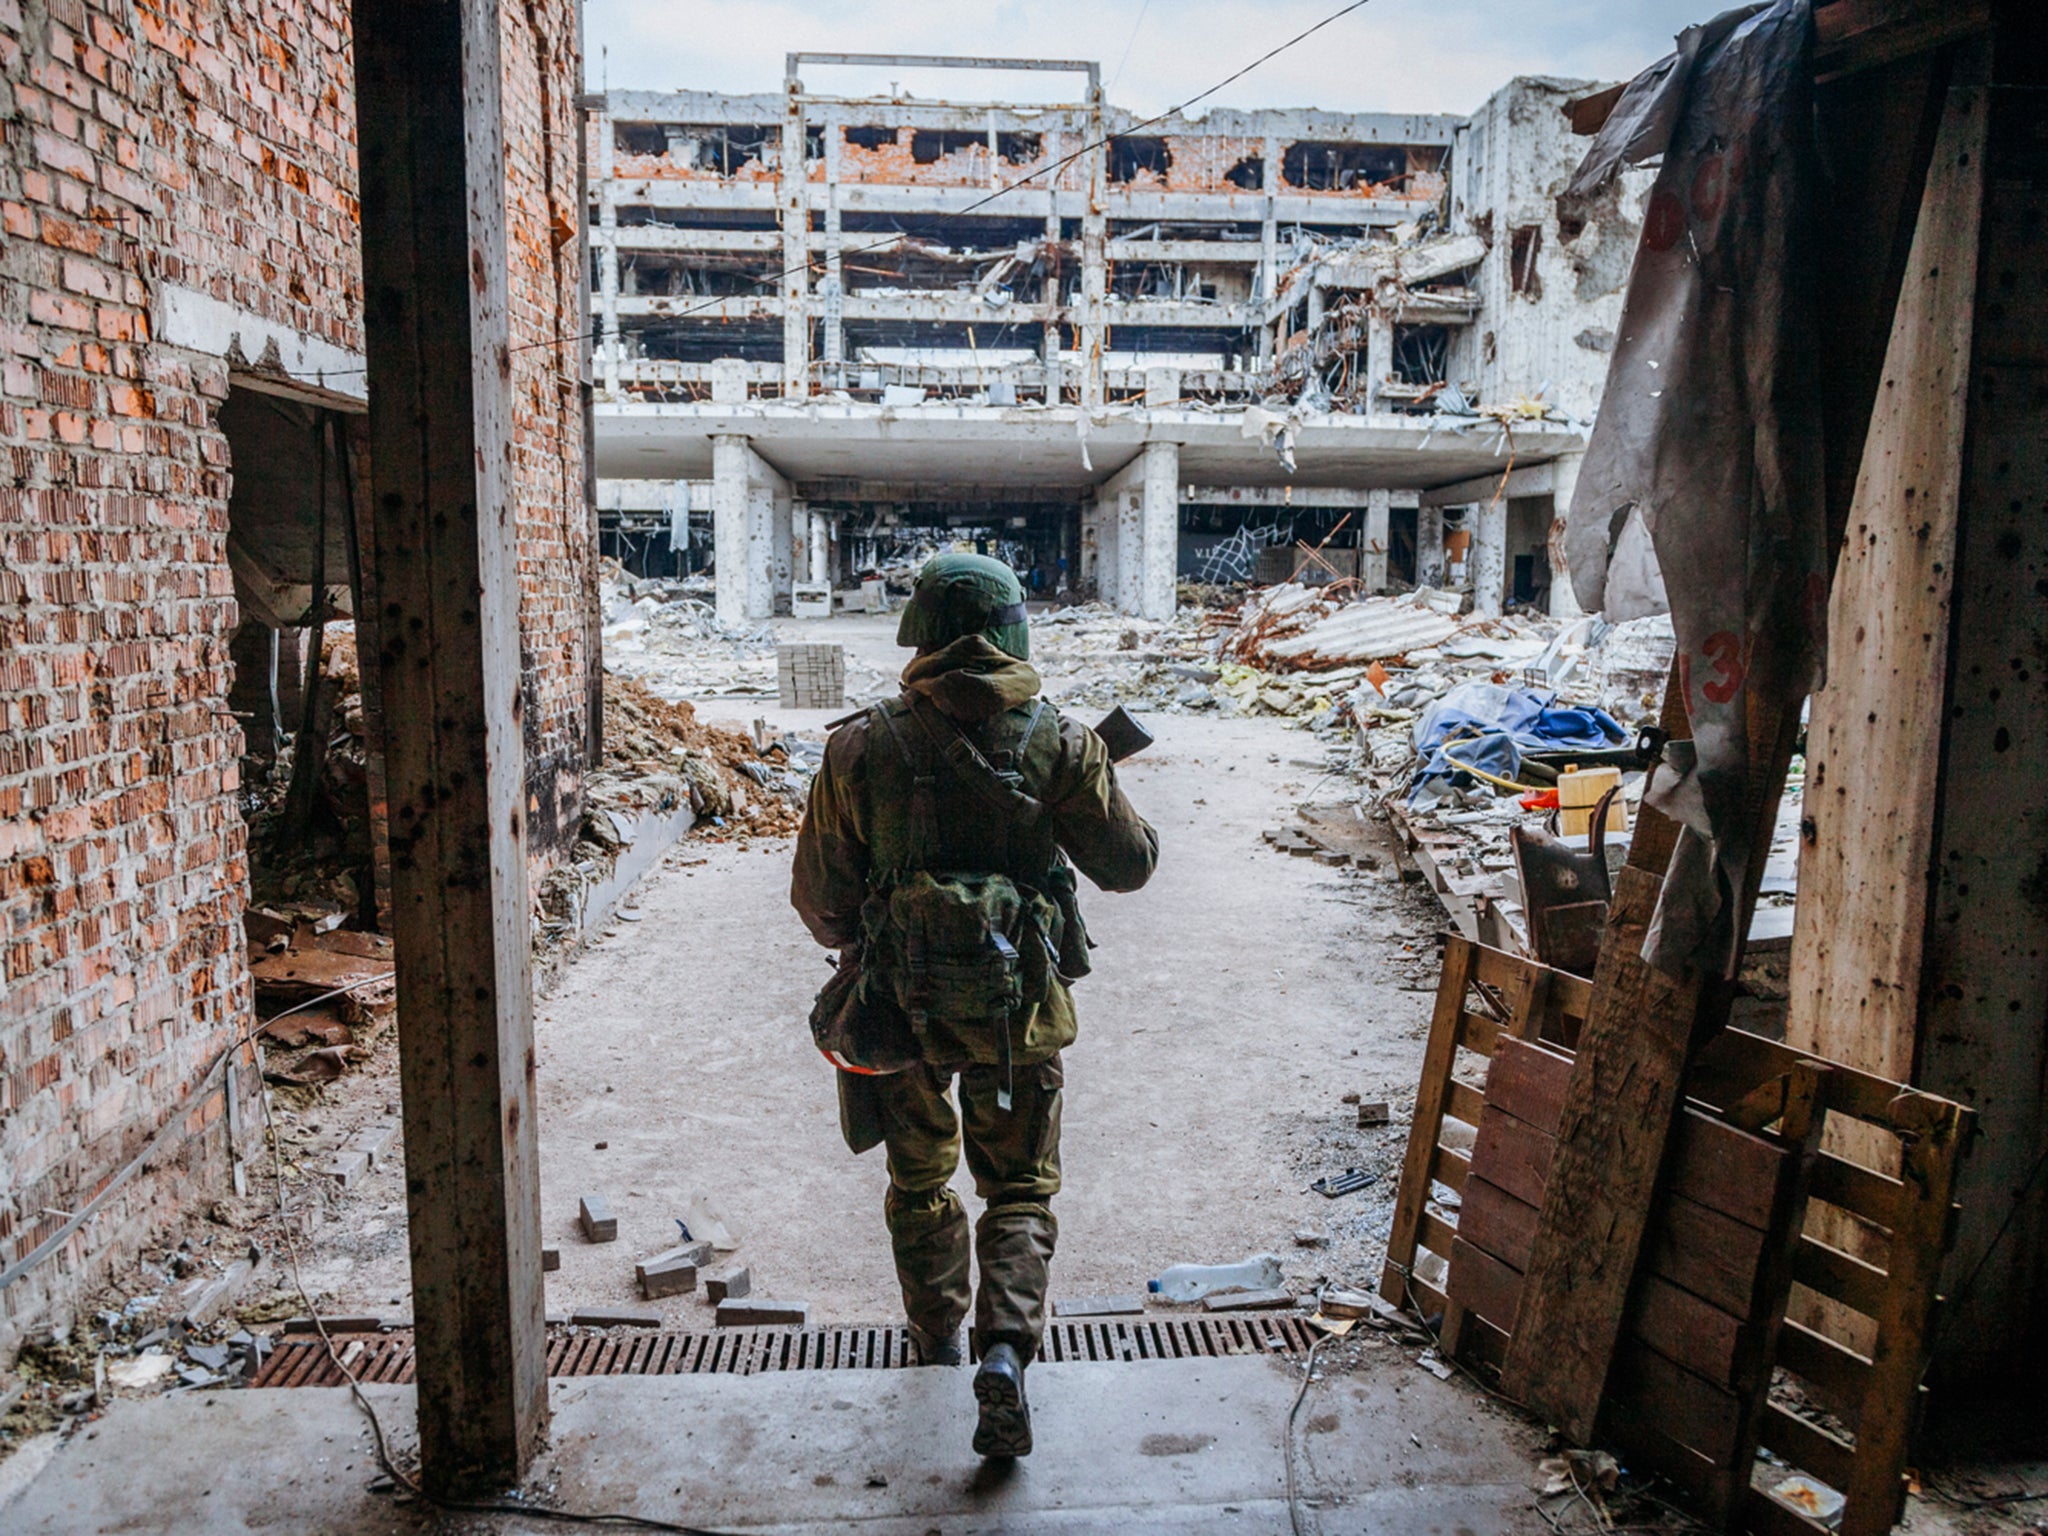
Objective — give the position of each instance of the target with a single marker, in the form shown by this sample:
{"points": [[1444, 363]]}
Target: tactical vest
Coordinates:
{"points": [[964, 922]]}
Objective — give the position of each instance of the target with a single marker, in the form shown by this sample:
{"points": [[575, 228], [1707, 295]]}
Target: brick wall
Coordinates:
{"points": [[146, 143], [557, 547]]}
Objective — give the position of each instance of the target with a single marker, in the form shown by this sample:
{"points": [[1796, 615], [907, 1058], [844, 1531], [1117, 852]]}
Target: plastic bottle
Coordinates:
{"points": [[1191, 1282]]}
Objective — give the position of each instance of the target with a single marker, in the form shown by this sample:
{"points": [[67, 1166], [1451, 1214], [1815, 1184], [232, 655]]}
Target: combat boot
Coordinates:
{"points": [[1004, 1429], [932, 1349]]}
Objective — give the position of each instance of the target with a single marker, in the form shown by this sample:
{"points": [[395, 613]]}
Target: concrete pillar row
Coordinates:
{"points": [[1372, 574], [1160, 513], [1564, 603], [748, 499], [1429, 547], [1490, 557]]}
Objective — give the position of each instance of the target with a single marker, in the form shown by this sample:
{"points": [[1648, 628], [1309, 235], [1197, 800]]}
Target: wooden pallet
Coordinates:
{"points": [[1888, 1165], [1766, 1165], [1483, 997]]}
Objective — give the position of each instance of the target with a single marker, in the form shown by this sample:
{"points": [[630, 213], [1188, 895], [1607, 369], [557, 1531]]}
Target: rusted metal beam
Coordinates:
{"points": [[430, 138]]}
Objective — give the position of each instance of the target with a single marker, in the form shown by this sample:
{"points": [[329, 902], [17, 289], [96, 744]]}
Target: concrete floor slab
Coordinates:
{"points": [[1179, 1446]]}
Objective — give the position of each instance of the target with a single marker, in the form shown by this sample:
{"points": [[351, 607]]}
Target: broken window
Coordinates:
{"points": [[1525, 244], [931, 145], [1249, 173], [639, 138], [1320, 167], [1131, 156], [870, 138]]}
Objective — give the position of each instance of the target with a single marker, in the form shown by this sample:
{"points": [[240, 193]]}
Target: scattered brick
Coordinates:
{"points": [[595, 1216], [759, 1312]]}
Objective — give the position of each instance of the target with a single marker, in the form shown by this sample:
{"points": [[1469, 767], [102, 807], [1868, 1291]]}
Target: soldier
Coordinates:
{"points": [[937, 848]]}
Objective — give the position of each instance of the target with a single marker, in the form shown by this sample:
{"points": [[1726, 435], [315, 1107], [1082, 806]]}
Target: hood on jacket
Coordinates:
{"points": [[971, 679]]}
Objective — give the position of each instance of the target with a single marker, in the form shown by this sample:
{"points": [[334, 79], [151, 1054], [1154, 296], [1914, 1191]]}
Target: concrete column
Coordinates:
{"points": [[1099, 545], [1489, 524], [1372, 564], [778, 523], [1379, 355], [831, 290], [729, 382], [1564, 603], [1094, 261], [1269, 238], [612, 348], [731, 471], [818, 568], [1053, 340], [1160, 514], [793, 198], [1429, 546]]}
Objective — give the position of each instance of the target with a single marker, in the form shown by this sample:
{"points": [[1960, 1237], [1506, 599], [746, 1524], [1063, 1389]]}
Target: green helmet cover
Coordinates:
{"points": [[959, 594]]}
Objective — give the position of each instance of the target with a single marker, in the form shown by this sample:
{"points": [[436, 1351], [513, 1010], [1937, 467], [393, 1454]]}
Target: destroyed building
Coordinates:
{"points": [[183, 399], [293, 387], [1123, 352]]}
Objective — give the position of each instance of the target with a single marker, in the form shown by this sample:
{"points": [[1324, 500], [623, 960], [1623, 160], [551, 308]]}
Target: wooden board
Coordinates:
{"points": [[1688, 1408], [1712, 1255], [1483, 1285], [1529, 1082], [1513, 1156], [1494, 1220], [1724, 1169]]}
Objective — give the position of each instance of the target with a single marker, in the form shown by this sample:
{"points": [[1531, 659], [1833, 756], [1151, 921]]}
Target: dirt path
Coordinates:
{"points": [[1233, 1003]]}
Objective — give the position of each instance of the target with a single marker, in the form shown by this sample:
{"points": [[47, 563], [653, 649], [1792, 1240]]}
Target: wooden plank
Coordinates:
{"points": [[430, 141], [1482, 1343], [1494, 1220], [1851, 36], [1425, 1125], [1735, 1061], [1647, 1447], [1482, 1284], [1463, 1102], [1809, 1447], [1712, 1255], [1513, 1156], [1688, 1408], [1684, 1329], [1873, 761], [1435, 1234], [1763, 1515], [1838, 1376], [1921, 1239], [1856, 1189], [1451, 1167], [1529, 1082], [1842, 1276], [1724, 1169], [1476, 1032]]}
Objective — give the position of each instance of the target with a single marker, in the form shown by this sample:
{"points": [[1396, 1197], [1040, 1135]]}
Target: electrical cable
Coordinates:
{"points": [[369, 1409], [1480, 773], [1308, 1375], [675, 320]]}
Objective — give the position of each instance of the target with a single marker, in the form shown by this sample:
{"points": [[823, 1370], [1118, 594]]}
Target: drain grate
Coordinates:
{"points": [[302, 1360]]}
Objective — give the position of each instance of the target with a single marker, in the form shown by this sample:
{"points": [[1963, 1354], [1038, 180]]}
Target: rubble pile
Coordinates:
{"points": [[659, 758], [668, 631]]}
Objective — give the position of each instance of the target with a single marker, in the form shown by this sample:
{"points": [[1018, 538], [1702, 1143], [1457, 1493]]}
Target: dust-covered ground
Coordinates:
{"points": [[1234, 1003]]}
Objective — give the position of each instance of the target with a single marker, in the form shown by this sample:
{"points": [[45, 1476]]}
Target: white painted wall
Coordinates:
{"points": [[1511, 161]]}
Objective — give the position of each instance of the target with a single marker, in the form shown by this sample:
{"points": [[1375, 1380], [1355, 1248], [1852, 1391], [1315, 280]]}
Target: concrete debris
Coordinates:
{"points": [[594, 1216], [759, 1312], [1099, 1306], [614, 1317], [672, 1272], [550, 1259], [728, 1284], [1251, 1301]]}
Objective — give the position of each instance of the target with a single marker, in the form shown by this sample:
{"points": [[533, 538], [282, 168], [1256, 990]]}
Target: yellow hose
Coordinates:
{"points": [[1491, 778]]}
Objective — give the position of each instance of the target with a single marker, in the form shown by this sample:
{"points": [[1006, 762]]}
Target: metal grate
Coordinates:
{"points": [[302, 1361]]}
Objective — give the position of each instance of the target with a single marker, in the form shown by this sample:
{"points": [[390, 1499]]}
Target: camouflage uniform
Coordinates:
{"points": [[858, 827]]}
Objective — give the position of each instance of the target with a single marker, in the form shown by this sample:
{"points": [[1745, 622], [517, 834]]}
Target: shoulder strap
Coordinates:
{"points": [[923, 792], [992, 787]]}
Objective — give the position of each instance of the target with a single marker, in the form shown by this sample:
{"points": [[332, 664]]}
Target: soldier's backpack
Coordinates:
{"points": [[965, 953]]}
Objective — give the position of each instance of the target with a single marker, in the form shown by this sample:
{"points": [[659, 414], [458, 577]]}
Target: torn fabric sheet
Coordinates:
{"points": [[1706, 458]]}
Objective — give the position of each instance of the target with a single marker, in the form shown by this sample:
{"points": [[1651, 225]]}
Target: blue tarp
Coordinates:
{"points": [[1491, 726]]}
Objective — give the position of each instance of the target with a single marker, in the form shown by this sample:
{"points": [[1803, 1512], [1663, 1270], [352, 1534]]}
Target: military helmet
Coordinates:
{"points": [[960, 594]]}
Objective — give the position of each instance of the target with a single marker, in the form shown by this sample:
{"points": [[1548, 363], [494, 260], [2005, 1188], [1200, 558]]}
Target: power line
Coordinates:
{"points": [[675, 320]]}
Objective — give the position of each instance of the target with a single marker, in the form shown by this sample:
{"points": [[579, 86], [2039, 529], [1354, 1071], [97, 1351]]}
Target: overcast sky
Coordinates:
{"points": [[1391, 56]]}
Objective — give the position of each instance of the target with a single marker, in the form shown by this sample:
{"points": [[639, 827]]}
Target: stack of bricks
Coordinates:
{"points": [[811, 676], [159, 156]]}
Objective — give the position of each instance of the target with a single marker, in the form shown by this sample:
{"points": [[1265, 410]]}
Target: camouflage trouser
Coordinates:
{"points": [[1014, 1156]]}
